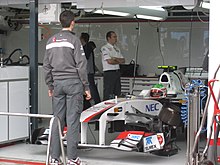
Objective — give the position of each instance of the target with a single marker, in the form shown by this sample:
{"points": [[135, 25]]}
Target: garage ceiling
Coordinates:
{"points": [[107, 3], [18, 10]]}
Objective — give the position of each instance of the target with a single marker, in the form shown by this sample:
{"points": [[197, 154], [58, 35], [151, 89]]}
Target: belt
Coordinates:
{"points": [[117, 70]]}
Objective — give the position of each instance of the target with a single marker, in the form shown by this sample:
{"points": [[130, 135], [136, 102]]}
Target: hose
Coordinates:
{"points": [[184, 111], [185, 107], [202, 90], [26, 56], [9, 57]]}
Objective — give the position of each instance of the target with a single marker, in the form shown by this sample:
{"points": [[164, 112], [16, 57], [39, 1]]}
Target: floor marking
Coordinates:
{"points": [[21, 162]]}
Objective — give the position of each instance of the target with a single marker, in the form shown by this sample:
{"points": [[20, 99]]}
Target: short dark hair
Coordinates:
{"points": [[85, 37], [109, 34], [66, 17]]}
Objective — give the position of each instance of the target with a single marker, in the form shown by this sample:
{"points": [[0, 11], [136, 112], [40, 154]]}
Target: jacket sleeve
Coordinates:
{"points": [[88, 50], [48, 71], [81, 63]]}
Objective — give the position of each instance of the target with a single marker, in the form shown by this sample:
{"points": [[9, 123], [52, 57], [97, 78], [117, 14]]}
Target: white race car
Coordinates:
{"points": [[145, 123]]}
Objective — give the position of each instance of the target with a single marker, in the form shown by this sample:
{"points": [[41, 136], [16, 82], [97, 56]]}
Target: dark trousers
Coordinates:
{"points": [[112, 84], [67, 104], [93, 89], [94, 92]]}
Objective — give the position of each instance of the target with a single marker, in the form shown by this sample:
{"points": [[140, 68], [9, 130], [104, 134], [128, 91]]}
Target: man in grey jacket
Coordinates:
{"points": [[65, 68]]}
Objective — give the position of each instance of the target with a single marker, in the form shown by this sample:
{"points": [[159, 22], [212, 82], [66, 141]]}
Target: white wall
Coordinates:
{"points": [[174, 49]]}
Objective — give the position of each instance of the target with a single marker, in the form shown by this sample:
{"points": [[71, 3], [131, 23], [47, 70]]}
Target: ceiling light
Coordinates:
{"points": [[74, 4], [88, 10], [108, 12], [205, 5], [149, 17], [152, 8]]}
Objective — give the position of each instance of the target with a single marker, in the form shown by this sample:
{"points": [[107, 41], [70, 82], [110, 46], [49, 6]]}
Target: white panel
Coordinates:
{"points": [[14, 72], [11, 2], [132, 3], [214, 58], [44, 101], [97, 3], [3, 108], [49, 13], [132, 11], [18, 103]]}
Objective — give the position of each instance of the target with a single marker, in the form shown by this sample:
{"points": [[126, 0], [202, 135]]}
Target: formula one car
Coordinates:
{"points": [[146, 123]]}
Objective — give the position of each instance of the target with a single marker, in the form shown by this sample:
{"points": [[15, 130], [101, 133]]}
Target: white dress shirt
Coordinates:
{"points": [[109, 51]]}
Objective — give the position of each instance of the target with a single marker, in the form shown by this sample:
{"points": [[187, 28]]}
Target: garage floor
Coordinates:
{"points": [[29, 154]]}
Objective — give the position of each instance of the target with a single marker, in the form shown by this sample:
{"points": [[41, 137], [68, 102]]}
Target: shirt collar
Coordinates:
{"points": [[110, 45]]}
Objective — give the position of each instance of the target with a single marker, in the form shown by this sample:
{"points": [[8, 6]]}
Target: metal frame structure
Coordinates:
{"points": [[193, 155], [193, 124], [52, 118]]}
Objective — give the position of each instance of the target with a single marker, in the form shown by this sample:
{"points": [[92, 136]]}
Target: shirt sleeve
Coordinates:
{"points": [[105, 53], [48, 71], [81, 63]]}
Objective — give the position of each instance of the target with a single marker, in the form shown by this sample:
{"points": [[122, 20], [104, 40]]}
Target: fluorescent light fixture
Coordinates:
{"points": [[109, 12], [88, 10], [205, 5], [149, 17], [152, 8]]}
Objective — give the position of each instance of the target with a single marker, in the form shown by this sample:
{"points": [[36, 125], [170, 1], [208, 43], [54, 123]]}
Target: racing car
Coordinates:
{"points": [[145, 123]]}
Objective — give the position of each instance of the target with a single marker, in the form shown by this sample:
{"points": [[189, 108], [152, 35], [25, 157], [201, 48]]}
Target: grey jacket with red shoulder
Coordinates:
{"points": [[65, 59]]}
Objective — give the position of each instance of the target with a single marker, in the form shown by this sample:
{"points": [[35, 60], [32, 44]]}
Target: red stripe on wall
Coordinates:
{"points": [[21, 162]]}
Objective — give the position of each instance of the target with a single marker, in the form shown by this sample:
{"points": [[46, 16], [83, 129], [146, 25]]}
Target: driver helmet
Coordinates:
{"points": [[158, 90]]}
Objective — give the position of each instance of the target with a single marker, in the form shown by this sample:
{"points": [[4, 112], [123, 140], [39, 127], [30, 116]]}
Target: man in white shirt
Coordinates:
{"points": [[111, 58]]}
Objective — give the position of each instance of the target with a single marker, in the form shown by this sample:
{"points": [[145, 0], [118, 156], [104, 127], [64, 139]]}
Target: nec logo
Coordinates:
{"points": [[152, 107]]}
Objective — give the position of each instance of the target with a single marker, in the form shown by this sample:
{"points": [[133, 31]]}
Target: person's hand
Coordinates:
{"points": [[88, 95], [50, 93], [113, 58]]}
